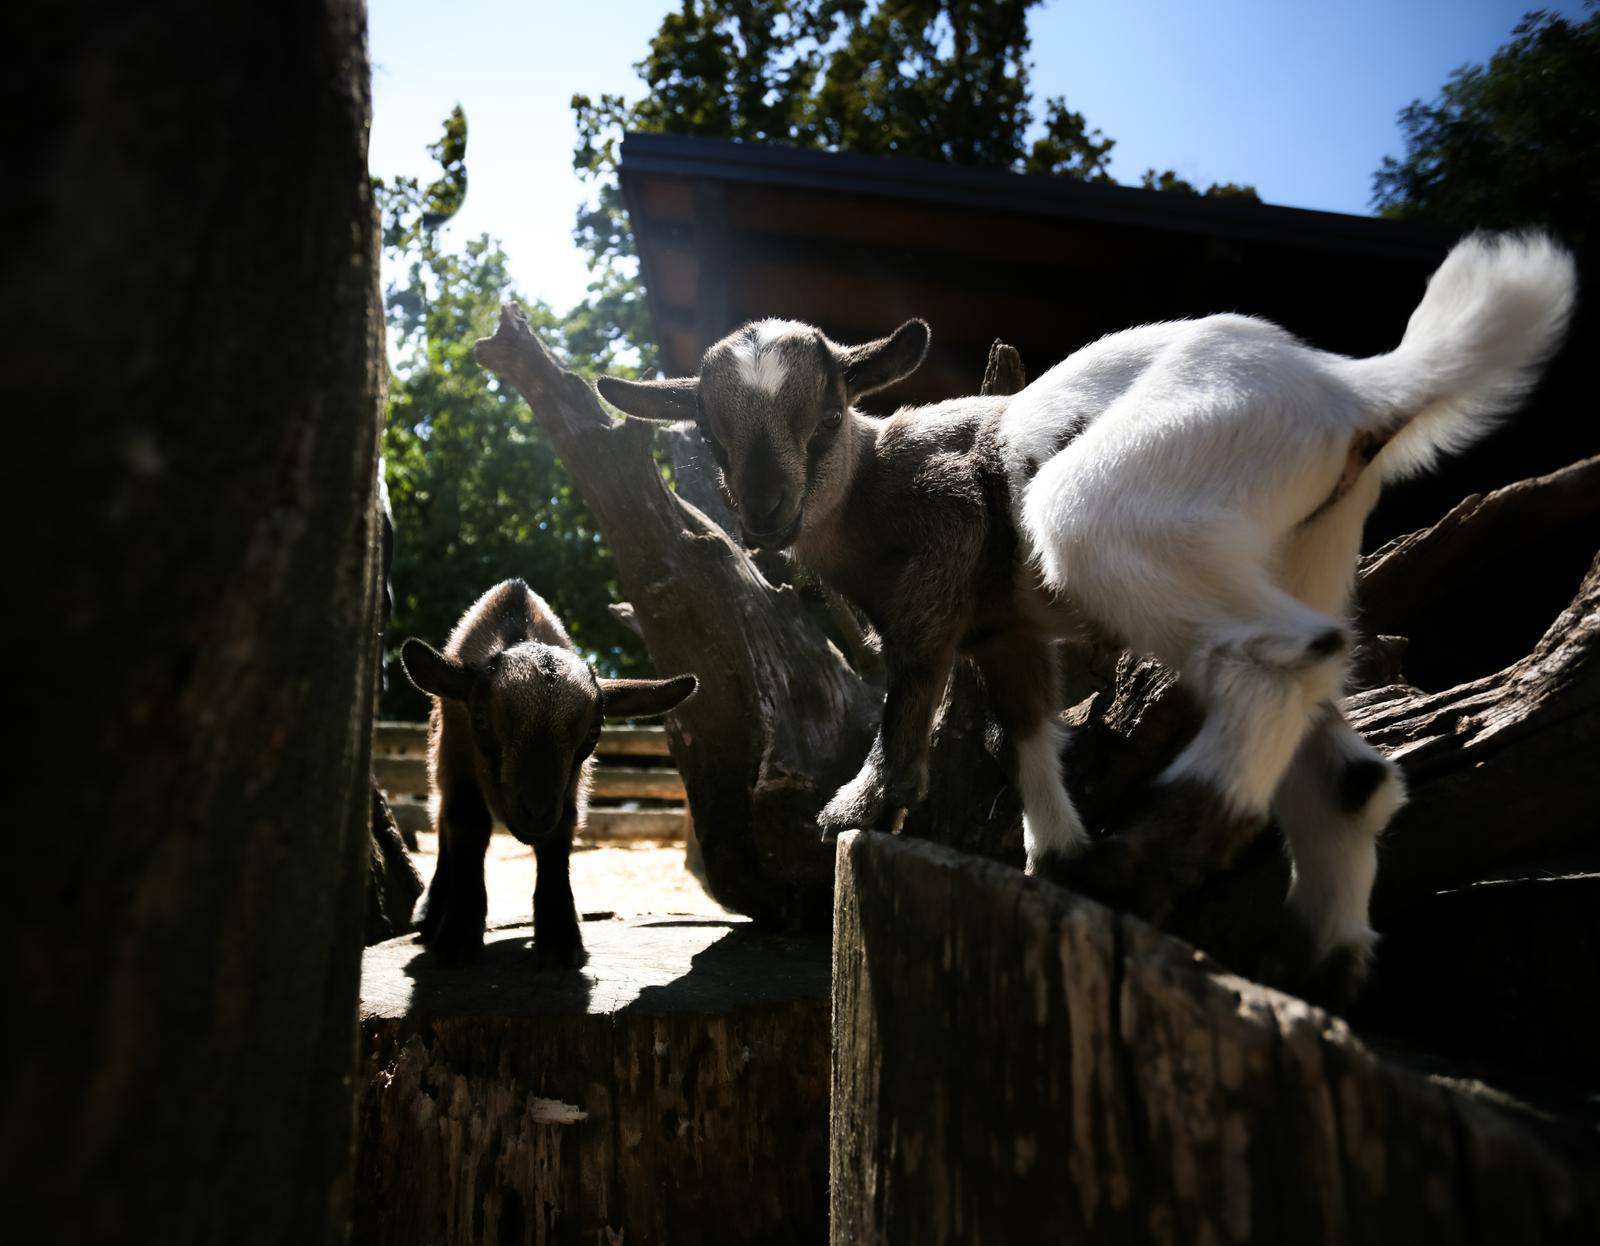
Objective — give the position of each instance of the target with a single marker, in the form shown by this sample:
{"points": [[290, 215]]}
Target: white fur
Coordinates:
{"points": [[1494, 311], [1334, 850], [759, 361], [1050, 823]]}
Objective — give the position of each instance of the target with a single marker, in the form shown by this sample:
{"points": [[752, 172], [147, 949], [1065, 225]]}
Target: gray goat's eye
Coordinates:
{"points": [[832, 416]]}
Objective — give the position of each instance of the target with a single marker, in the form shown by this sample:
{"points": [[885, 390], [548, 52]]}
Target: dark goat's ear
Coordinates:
{"points": [[651, 400], [876, 365], [645, 698], [434, 673]]}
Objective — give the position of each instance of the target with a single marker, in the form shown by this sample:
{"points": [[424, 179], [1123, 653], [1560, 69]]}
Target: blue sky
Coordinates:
{"points": [[1298, 97]]}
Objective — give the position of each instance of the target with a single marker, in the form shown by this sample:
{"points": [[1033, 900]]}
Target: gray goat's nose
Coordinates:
{"points": [[764, 506]]}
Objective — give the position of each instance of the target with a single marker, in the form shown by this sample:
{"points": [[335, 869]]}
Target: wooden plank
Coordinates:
{"points": [[1097, 1081], [634, 742], [401, 776], [615, 824], [623, 783], [391, 736], [408, 739]]}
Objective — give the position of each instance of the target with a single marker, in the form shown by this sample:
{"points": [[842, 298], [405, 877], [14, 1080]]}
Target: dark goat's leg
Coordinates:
{"points": [[458, 892], [557, 941]]}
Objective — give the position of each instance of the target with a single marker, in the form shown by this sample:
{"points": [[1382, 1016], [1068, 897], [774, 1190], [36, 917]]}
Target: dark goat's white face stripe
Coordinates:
{"points": [[759, 352]]}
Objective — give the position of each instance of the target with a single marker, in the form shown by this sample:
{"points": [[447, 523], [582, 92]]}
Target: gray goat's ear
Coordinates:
{"points": [[434, 673], [645, 698], [652, 400], [876, 365]]}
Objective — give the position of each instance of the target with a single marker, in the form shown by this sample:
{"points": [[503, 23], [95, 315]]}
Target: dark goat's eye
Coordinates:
{"points": [[832, 416]]}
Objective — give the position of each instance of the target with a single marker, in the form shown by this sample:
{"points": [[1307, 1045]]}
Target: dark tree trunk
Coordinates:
{"points": [[1094, 1080], [194, 353]]}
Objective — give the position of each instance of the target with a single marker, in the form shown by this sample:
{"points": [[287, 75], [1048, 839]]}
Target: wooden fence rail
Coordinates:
{"points": [[637, 792]]}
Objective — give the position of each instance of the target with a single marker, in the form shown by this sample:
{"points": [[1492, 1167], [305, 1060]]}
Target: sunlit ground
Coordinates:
{"points": [[625, 879]]}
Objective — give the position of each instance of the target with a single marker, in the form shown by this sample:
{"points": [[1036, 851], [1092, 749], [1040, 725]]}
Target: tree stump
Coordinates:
{"points": [[1094, 1080], [676, 1090]]}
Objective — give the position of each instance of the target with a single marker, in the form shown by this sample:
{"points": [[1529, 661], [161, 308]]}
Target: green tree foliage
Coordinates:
{"points": [[478, 494], [942, 80], [1512, 143], [1172, 184]]}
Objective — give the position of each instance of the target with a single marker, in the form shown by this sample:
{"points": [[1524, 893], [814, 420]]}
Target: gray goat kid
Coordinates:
{"points": [[1193, 490], [515, 721]]}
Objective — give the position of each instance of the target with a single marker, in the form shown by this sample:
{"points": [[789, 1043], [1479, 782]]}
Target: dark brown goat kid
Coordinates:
{"points": [[515, 722]]}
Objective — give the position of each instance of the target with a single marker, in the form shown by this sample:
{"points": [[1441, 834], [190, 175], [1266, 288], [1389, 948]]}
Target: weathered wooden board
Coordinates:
{"points": [[1014, 1063], [411, 739], [675, 1090], [602, 825]]}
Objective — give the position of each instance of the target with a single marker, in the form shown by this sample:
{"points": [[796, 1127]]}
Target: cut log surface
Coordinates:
{"points": [[1014, 1063], [675, 1090]]}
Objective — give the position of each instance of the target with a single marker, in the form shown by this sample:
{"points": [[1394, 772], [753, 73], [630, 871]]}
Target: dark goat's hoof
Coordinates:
{"points": [[560, 953], [454, 944]]}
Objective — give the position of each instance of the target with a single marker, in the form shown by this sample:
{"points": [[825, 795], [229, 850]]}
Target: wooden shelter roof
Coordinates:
{"points": [[730, 232]]}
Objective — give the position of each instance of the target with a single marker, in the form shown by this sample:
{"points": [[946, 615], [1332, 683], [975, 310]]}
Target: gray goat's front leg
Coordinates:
{"points": [[895, 775]]}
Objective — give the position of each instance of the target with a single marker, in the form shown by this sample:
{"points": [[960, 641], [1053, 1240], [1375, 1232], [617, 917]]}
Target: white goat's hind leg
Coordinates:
{"points": [[1259, 681], [1335, 799], [1259, 678]]}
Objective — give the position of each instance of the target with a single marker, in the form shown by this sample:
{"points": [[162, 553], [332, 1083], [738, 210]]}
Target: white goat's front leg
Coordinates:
{"points": [[1333, 803], [1021, 674]]}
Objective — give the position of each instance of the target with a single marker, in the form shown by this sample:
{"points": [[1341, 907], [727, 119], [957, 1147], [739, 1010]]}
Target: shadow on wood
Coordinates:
{"points": [[674, 1090]]}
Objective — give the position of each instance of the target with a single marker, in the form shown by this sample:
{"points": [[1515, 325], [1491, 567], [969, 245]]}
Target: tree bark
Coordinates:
{"points": [[189, 300], [393, 884], [675, 1091], [1134, 1093], [1477, 589]]}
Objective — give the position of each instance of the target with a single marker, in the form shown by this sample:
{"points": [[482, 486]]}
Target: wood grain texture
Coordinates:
{"points": [[1014, 1063], [673, 1091]]}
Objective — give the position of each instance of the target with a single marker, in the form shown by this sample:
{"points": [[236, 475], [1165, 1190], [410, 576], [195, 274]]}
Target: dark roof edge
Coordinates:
{"points": [[925, 180]]}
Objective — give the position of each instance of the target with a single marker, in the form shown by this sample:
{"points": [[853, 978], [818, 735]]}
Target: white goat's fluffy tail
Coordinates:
{"points": [[1495, 310]]}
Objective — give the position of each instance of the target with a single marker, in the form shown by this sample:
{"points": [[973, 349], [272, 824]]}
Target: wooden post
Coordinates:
{"points": [[194, 346], [1013, 1063]]}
